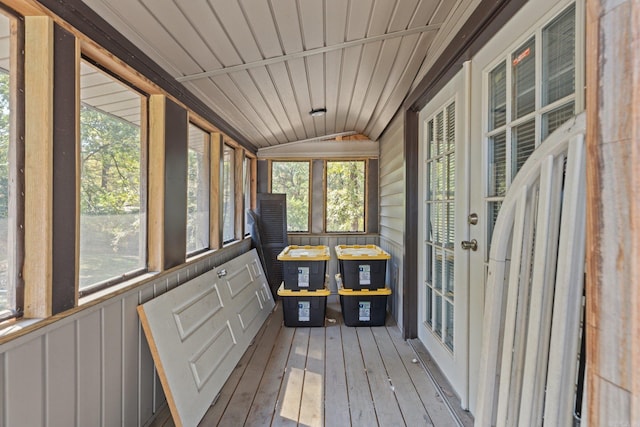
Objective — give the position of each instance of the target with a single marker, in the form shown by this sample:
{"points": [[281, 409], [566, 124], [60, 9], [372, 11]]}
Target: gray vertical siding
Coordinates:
{"points": [[392, 209], [93, 367]]}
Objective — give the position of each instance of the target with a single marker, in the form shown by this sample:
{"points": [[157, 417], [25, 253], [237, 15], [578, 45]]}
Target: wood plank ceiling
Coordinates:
{"points": [[263, 65]]}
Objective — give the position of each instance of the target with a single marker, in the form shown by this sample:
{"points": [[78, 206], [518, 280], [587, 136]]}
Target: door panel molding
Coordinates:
{"points": [[198, 332]]}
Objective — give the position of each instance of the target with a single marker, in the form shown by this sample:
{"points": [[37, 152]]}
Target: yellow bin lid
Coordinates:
{"points": [[303, 292], [361, 252], [364, 292], [305, 253]]}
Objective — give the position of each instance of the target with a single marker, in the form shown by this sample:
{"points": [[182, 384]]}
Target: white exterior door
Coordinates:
{"points": [[525, 84], [444, 277], [475, 136]]}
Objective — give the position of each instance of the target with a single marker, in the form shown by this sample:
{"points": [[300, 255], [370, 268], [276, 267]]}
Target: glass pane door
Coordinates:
{"points": [[440, 223], [531, 92]]}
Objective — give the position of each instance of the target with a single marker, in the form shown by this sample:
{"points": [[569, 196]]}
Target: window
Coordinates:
{"points": [[440, 201], [198, 190], [246, 173], [10, 294], [523, 107], [228, 201], [345, 191], [292, 179], [112, 181]]}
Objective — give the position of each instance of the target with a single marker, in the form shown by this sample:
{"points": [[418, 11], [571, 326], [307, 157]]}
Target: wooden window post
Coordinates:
{"points": [[613, 212], [38, 264]]}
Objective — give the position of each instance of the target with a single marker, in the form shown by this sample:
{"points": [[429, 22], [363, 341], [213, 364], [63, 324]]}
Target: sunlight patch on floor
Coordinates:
{"points": [[290, 405], [312, 404]]}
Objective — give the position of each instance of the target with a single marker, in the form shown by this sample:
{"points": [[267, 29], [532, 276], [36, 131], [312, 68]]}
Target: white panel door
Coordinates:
{"points": [[444, 277], [198, 331]]}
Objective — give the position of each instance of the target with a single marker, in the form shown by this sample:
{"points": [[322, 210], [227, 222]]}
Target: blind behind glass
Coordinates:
{"points": [[558, 57]]}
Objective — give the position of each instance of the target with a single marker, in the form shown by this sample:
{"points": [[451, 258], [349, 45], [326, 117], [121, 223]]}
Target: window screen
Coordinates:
{"points": [[198, 190], [345, 208], [112, 180], [292, 178], [228, 194]]}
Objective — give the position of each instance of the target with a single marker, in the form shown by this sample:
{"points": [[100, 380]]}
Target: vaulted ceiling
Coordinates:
{"points": [[263, 65]]}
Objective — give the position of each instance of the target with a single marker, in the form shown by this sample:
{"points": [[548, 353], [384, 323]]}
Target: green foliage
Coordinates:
{"points": [[5, 116], [197, 201], [6, 293], [292, 178], [228, 194], [110, 156], [110, 188], [345, 196]]}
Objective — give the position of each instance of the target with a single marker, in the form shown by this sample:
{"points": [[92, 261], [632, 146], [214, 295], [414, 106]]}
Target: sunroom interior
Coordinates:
{"points": [[479, 144]]}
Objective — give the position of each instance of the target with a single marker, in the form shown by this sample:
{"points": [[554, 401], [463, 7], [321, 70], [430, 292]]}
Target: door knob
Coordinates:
{"points": [[470, 244]]}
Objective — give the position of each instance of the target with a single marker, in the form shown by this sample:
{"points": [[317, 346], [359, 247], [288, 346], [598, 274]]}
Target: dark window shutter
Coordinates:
{"points": [[272, 219]]}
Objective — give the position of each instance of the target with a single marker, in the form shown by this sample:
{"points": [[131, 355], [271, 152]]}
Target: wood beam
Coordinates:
{"points": [[410, 264], [156, 181], [613, 207], [176, 147], [38, 165], [254, 182], [239, 193], [215, 209], [634, 299], [66, 152], [25, 7]]}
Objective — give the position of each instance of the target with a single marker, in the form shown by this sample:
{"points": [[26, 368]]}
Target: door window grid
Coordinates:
{"points": [[440, 216], [523, 109]]}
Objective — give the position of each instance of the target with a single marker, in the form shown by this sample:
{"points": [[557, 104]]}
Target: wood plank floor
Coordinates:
{"points": [[331, 376]]}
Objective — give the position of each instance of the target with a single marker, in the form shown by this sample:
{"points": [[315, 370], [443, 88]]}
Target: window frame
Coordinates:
{"points": [[232, 189], [247, 176], [510, 124]]}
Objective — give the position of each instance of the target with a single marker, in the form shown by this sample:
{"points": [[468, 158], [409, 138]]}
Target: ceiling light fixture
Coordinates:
{"points": [[318, 112]]}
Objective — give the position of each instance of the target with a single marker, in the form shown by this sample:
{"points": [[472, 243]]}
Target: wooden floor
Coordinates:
{"points": [[332, 376]]}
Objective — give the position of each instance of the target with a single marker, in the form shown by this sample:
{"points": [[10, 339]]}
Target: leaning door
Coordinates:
{"points": [[444, 276]]}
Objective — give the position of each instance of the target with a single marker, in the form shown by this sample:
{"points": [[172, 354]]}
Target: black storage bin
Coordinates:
{"points": [[304, 267], [303, 308], [362, 266], [364, 307]]}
